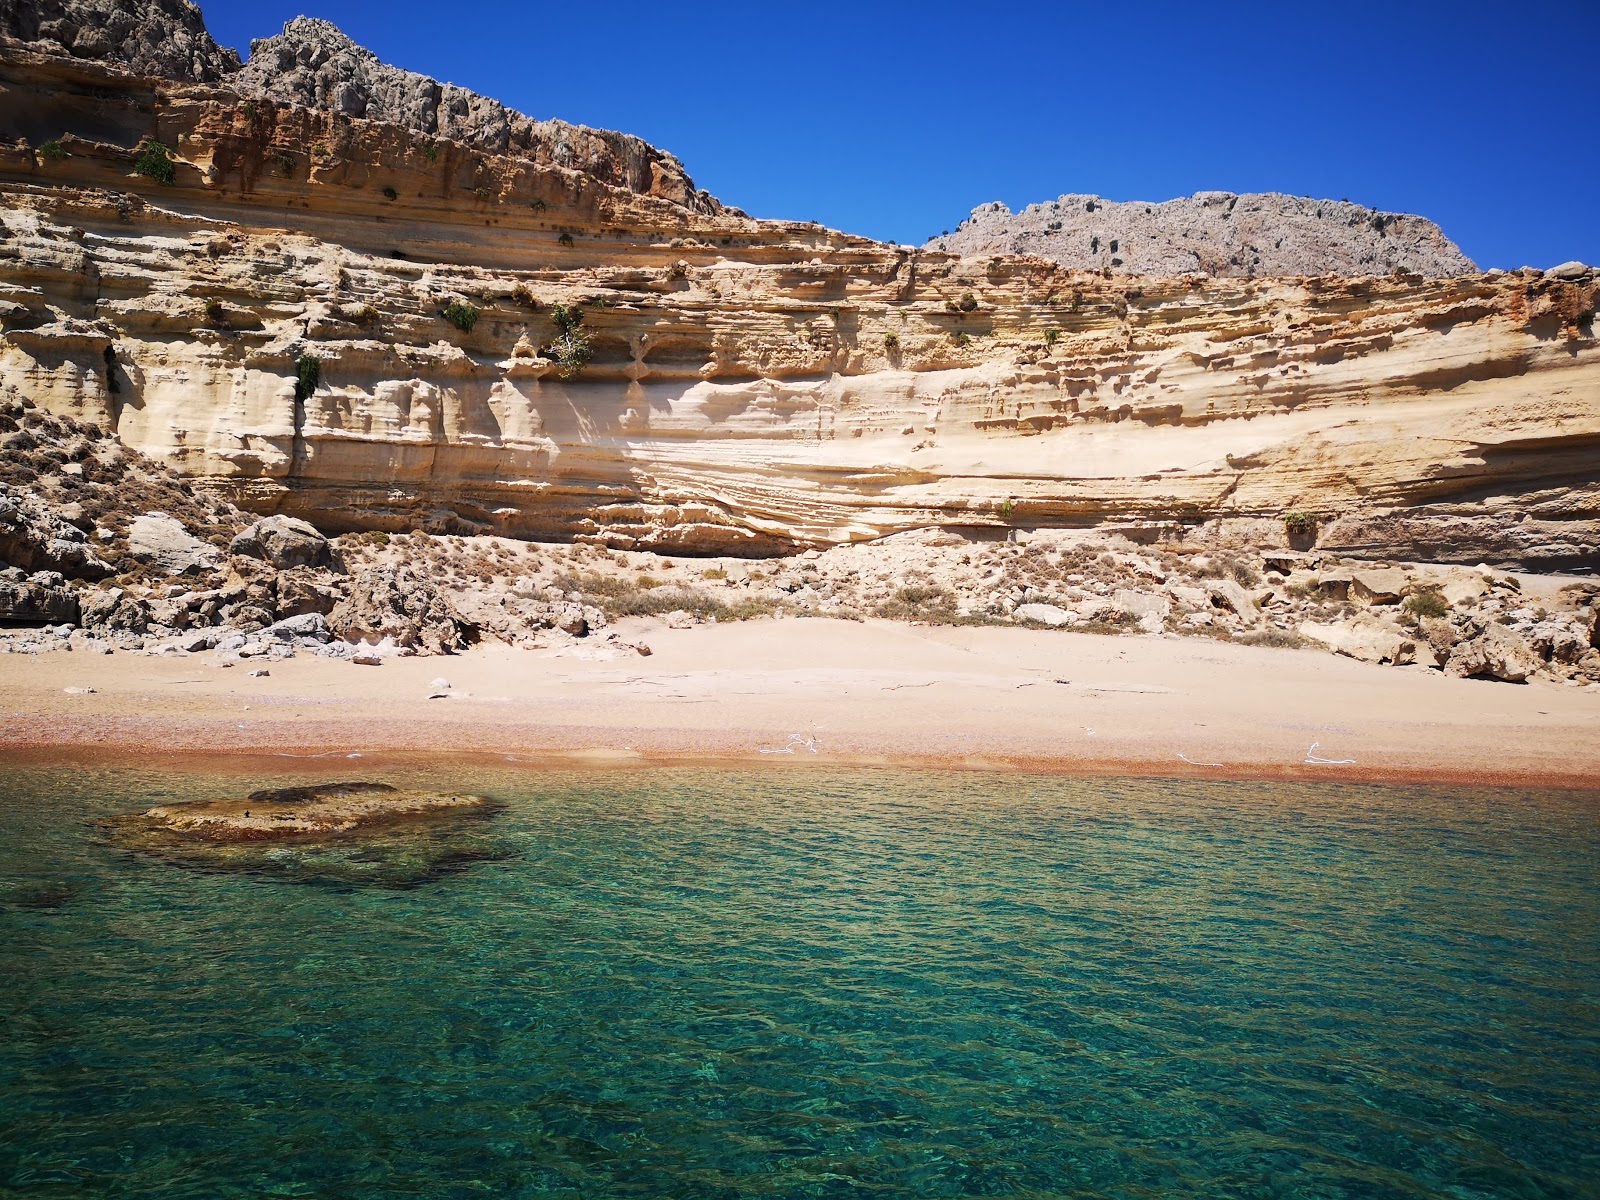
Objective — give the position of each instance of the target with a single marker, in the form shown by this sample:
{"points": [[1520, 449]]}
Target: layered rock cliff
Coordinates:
{"points": [[374, 327], [1213, 233], [314, 65]]}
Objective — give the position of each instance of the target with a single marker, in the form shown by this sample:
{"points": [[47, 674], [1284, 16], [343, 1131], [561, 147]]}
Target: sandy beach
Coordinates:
{"points": [[829, 692]]}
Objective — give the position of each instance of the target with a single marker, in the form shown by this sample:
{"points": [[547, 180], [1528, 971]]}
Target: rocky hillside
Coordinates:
{"points": [[1213, 233], [162, 38], [312, 64]]}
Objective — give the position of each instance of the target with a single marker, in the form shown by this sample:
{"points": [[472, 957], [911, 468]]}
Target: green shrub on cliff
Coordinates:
{"points": [[462, 316], [154, 161], [308, 374]]}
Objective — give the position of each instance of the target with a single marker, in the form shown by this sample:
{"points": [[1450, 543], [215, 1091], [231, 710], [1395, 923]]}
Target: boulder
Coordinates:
{"points": [[1044, 614], [301, 591], [1230, 593], [1363, 639], [393, 603], [114, 611], [1461, 591], [163, 544], [1570, 271], [1496, 653], [312, 627], [284, 542], [35, 603], [1378, 587]]}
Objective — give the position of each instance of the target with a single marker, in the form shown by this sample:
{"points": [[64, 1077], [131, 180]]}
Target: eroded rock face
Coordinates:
{"points": [[395, 605], [312, 63], [163, 543], [1213, 233], [343, 833], [31, 603], [164, 38]]}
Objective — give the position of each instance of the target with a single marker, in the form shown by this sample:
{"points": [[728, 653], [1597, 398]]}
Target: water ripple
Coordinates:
{"points": [[887, 984]]}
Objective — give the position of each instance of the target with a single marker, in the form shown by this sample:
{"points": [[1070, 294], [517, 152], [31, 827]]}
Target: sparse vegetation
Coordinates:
{"points": [[523, 296], [968, 303], [248, 108], [53, 150], [961, 338], [286, 164], [1052, 336], [1427, 602], [571, 350], [216, 314], [431, 152], [154, 161], [891, 341], [1299, 522], [538, 206], [308, 374], [462, 315], [620, 596], [483, 191]]}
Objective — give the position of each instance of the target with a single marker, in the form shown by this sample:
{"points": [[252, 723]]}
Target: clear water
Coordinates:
{"points": [[698, 984]]}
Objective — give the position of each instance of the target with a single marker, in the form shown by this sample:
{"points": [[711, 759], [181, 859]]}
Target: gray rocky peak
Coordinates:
{"points": [[165, 38], [1213, 233]]}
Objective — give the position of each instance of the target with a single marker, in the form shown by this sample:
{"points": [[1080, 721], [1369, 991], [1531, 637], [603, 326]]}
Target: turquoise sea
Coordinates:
{"points": [[694, 983]]}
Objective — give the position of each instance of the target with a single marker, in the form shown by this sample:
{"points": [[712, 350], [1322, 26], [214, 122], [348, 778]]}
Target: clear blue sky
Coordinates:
{"points": [[895, 120]]}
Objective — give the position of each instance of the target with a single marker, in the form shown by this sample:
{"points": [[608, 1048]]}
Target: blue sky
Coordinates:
{"points": [[895, 120]]}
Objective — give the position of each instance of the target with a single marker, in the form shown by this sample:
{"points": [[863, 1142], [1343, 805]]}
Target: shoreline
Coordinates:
{"points": [[761, 694]]}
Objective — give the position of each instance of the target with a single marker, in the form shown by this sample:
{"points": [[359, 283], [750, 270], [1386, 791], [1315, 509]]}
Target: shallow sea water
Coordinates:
{"points": [[873, 983]]}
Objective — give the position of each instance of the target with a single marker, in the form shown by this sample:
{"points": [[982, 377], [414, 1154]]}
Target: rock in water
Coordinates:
{"points": [[327, 833]]}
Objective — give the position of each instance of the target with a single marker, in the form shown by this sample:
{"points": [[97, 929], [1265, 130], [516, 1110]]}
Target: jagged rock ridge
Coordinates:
{"points": [[312, 64], [1213, 233], [166, 38]]}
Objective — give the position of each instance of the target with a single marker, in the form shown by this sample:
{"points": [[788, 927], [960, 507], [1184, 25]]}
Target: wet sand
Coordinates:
{"points": [[795, 692]]}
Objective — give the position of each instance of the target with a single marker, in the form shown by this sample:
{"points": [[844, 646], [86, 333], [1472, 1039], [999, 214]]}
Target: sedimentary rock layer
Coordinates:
{"points": [[751, 385]]}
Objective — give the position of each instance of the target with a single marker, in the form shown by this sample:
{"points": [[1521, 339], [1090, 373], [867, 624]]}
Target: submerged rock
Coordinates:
{"points": [[327, 833]]}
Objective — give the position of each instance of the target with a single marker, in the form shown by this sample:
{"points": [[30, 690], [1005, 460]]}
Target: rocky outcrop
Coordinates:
{"points": [[36, 601], [313, 64], [335, 833], [1218, 234], [284, 542], [396, 606], [163, 38]]}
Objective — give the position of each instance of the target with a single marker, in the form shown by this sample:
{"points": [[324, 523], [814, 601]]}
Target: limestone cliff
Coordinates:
{"points": [[374, 327], [1213, 233]]}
